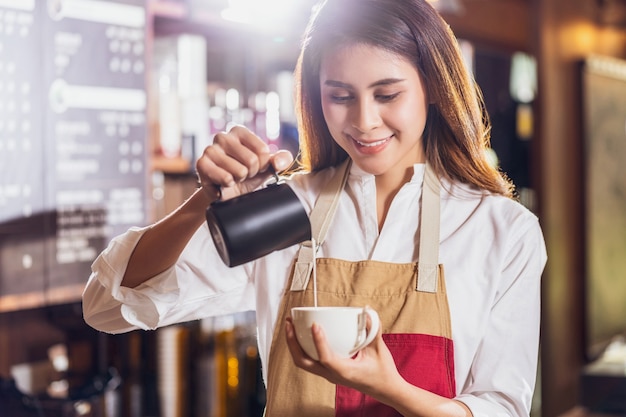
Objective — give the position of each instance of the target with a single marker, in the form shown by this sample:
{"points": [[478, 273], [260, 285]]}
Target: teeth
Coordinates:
{"points": [[368, 145]]}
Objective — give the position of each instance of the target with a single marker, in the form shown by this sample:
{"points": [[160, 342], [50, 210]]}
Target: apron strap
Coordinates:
{"points": [[321, 217], [428, 262]]}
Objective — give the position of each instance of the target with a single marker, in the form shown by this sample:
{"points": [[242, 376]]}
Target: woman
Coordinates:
{"points": [[384, 98]]}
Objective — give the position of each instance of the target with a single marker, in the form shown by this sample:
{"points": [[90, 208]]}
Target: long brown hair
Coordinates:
{"points": [[456, 134]]}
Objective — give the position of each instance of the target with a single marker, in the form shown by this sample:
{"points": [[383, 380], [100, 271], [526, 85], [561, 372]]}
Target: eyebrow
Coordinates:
{"points": [[379, 83]]}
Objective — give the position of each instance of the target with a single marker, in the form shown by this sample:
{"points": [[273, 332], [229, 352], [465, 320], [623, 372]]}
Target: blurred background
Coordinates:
{"points": [[104, 106]]}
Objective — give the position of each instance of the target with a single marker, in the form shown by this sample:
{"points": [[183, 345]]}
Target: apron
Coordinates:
{"points": [[409, 298]]}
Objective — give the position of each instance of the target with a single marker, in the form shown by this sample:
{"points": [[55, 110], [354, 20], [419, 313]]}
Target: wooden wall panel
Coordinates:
{"points": [[566, 32], [501, 23]]}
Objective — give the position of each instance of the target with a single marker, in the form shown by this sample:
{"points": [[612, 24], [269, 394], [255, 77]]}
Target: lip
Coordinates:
{"points": [[371, 146]]}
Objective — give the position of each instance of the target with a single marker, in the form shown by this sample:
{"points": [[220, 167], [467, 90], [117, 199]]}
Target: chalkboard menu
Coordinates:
{"points": [[73, 157]]}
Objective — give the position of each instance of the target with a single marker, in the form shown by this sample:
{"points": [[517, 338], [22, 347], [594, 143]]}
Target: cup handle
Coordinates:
{"points": [[375, 321]]}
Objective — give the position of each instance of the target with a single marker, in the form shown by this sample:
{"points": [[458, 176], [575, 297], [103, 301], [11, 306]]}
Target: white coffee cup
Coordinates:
{"points": [[345, 328]]}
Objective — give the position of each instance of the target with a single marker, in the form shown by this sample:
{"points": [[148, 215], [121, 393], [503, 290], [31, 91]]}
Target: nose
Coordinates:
{"points": [[365, 116]]}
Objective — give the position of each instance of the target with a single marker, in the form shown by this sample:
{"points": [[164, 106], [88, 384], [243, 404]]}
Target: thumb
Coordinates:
{"points": [[281, 160]]}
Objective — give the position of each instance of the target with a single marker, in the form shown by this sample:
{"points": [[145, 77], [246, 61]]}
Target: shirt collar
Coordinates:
{"points": [[417, 178]]}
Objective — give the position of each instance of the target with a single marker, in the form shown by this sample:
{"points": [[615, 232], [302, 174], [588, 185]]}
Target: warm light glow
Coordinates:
{"points": [[233, 372], [447, 6], [266, 15], [523, 78]]}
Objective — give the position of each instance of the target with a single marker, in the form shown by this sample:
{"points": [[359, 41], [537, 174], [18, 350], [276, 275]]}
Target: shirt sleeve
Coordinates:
{"points": [[503, 372], [198, 285]]}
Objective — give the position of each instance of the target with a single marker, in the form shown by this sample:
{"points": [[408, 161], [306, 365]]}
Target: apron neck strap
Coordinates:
{"points": [[321, 217], [428, 261], [326, 205]]}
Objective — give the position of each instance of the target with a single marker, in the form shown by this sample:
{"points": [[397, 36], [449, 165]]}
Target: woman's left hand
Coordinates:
{"points": [[371, 370]]}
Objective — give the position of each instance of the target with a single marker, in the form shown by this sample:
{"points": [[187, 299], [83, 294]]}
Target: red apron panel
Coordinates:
{"points": [[423, 360]]}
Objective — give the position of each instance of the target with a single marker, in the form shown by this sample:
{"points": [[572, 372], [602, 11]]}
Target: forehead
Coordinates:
{"points": [[363, 61]]}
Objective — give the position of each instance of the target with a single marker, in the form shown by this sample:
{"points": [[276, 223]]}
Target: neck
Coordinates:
{"points": [[387, 186]]}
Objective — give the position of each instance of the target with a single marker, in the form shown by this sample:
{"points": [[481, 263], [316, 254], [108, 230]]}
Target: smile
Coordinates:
{"points": [[372, 144]]}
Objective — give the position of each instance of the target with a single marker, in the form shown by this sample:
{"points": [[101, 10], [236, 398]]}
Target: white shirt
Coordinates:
{"points": [[492, 249]]}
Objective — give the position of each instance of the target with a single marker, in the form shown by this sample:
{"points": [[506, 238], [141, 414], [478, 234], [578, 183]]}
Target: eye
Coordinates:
{"points": [[385, 98], [341, 98]]}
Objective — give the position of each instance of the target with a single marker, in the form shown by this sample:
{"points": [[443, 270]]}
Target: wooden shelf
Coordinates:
{"points": [[35, 299], [171, 165], [14, 302]]}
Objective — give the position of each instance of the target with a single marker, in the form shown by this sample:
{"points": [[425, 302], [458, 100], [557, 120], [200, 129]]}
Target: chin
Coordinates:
{"points": [[372, 167]]}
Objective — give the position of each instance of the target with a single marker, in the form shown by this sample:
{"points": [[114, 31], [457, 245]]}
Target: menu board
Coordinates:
{"points": [[73, 157]]}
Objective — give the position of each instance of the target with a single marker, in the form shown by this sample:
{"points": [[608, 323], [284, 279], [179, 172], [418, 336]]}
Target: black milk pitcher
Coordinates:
{"points": [[253, 225]]}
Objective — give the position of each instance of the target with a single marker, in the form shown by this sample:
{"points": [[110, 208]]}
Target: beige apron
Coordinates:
{"points": [[409, 298]]}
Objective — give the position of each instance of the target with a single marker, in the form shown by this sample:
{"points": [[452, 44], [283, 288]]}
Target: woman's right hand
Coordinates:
{"points": [[237, 162]]}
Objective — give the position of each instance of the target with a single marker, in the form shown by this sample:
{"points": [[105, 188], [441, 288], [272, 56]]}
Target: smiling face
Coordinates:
{"points": [[375, 107]]}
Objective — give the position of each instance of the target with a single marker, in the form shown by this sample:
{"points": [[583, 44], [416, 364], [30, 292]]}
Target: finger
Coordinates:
{"points": [[247, 153], [324, 351], [300, 358], [213, 167], [368, 325], [231, 156], [227, 162], [251, 141]]}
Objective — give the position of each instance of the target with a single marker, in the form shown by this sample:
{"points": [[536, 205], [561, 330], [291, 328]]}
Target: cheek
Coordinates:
{"points": [[333, 114], [412, 113]]}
